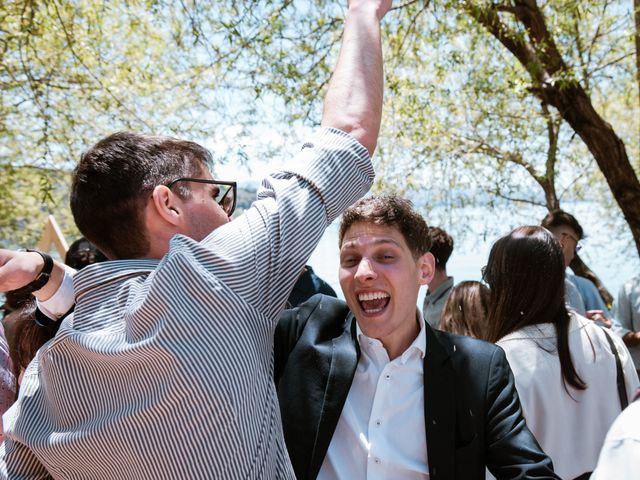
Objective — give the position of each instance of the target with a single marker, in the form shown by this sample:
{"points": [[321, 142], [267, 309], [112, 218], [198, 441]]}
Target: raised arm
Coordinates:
{"points": [[354, 99]]}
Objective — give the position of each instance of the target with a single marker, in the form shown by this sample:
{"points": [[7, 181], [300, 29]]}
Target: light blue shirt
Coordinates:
{"points": [[590, 294], [626, 314]]}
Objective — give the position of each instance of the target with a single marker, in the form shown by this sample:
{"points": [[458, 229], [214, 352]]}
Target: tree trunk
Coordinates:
{"points": [[536, 50], [636, 16], [606, 147]]}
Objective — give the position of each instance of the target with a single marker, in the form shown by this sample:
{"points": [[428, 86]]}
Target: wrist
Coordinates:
{"points": [[366, 11], [41, 264], [55, 280]]}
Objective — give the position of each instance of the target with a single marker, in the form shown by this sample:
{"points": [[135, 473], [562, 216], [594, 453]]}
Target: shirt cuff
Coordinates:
{"points": [[62, 300]]}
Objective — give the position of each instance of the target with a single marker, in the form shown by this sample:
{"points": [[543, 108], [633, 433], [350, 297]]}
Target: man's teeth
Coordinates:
{"points": [[363, 297]]}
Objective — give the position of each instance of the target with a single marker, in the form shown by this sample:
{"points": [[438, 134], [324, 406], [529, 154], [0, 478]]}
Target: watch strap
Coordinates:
{"points": [[43, 277]]}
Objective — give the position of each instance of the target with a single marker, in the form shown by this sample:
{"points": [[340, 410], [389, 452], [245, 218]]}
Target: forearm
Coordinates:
{"points": [[52, 286], [353, 102]]}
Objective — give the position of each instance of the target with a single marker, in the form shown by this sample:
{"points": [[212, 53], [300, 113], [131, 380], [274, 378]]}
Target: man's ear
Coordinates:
{"points": [[427, 266], [167, 205]]}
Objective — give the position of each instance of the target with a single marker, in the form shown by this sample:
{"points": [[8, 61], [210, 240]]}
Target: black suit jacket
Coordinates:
{"points": [[472, 412]]}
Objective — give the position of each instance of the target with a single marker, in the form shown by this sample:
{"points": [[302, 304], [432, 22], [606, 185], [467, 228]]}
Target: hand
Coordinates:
{"points": [[18, 269], [599, 316], [631, 339]]}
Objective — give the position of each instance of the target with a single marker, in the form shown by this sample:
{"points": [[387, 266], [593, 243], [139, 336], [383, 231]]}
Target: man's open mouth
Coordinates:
{"points": [[373, 302]]}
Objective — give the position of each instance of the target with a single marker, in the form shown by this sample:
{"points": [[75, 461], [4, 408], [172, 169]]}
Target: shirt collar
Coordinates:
{"points": [[419, 343], [438, 292]]}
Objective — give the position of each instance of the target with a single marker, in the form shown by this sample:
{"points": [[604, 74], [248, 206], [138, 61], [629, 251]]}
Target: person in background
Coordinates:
{"points": [[15, 303], [307, 286], [441, 284], [82, 253], [565, 367], [626, 317], [569, 232], [466, 309], [620, 455]]}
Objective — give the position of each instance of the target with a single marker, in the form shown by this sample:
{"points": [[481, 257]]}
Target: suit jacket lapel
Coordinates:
{"points": [[439, 406], [344, 360]]}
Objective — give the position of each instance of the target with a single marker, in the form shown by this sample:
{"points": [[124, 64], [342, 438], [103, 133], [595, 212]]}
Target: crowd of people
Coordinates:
{"points": [[176, 358]]}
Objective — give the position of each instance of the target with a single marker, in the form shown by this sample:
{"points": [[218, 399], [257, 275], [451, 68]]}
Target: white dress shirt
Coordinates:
{"points": [[381, 432], [620, 455]]}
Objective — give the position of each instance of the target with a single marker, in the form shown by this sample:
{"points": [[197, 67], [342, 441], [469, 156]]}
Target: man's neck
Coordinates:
{"points": [[438, 279]]}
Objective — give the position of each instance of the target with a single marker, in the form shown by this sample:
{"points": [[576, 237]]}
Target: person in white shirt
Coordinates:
{"points": [[564, 366], [620, 455], [368, 390]]}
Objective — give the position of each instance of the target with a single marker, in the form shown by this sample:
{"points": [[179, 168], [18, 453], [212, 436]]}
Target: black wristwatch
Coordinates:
{"points": [[43, 277]]}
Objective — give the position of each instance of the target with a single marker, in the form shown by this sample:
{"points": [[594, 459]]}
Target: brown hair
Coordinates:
{"points": [[559, 218], [441, 246], [526, 275], [466, 309], [392, 211], [114, 179]]}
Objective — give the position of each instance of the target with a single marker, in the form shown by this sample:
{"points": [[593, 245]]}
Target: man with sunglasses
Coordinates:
{"points": [[165, 368]]}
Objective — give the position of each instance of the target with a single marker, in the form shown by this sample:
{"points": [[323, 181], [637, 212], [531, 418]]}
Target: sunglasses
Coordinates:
{"points": [[228, 191]]}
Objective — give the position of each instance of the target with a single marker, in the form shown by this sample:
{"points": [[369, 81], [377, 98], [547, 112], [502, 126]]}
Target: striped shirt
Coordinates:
{"points": [[165, 370]]}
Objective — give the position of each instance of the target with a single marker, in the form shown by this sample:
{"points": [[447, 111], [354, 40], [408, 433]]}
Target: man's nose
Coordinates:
{"points": [[365, 270]]}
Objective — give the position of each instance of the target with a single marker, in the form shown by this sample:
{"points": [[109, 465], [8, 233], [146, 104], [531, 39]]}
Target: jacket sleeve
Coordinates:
{"points": [[512, 450], [288, 330]]}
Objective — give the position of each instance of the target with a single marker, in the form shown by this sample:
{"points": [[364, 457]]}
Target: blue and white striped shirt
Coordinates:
{"points": [[165, 369]]}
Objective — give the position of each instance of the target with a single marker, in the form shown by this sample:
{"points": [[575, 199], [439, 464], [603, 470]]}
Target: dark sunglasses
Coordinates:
{"points": [[227, 189]]}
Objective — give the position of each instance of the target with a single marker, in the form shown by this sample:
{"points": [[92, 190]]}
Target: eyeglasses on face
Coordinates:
{"points": [[225, 192]]}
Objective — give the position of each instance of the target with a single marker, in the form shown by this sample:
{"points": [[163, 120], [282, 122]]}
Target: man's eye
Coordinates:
{"points": [[348, 262], [215, 193]]}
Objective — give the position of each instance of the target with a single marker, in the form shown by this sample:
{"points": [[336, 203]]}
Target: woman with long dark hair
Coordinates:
{"points": [[563, 365]]}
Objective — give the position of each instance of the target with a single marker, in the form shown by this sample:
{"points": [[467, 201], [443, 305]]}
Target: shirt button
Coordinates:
{"points": [[378, 423], [377, 460], [387, 376]]}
